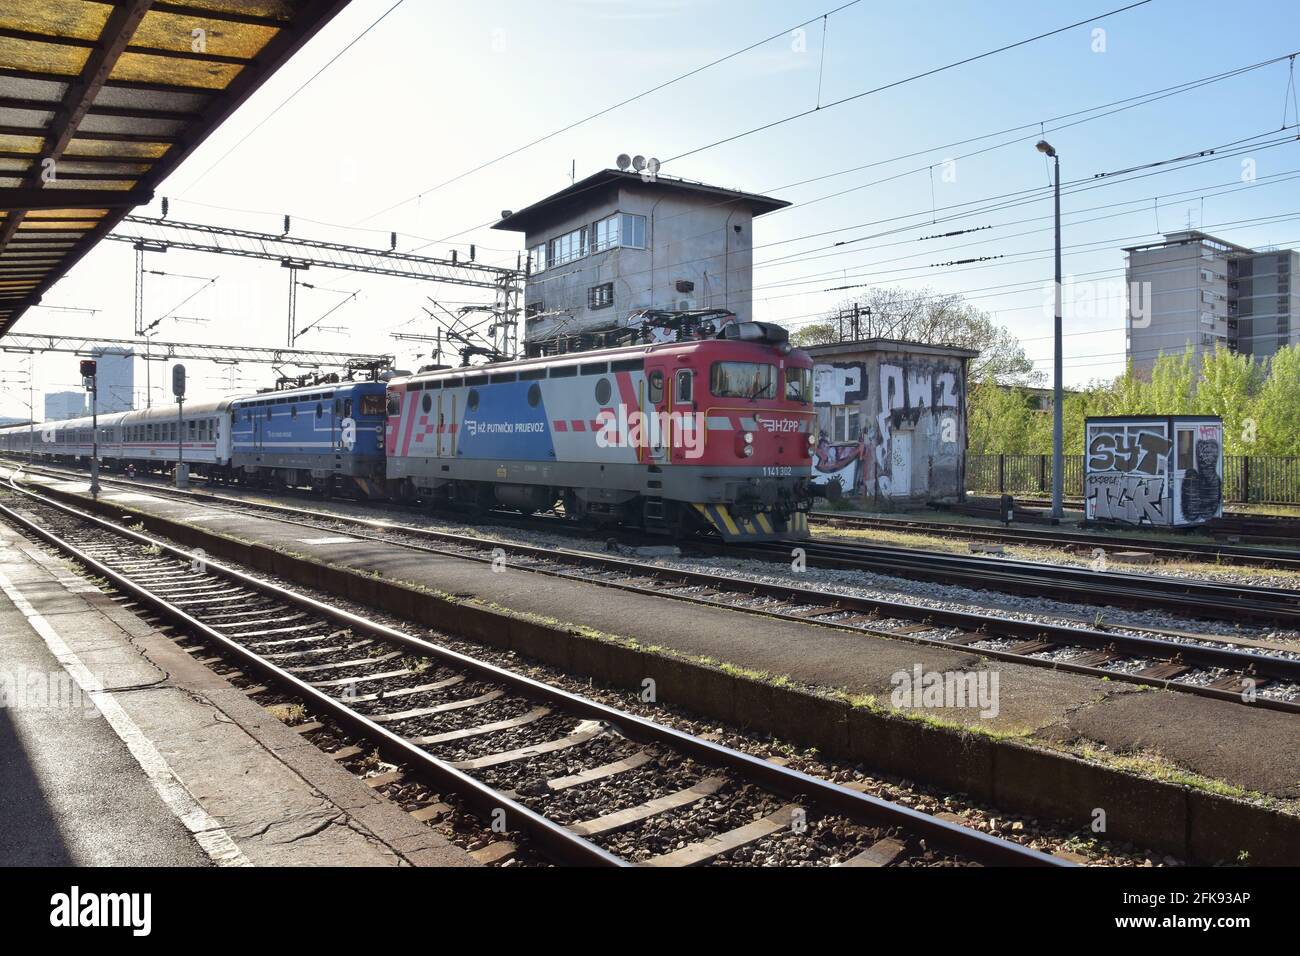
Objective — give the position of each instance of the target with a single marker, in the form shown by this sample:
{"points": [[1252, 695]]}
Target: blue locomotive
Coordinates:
{"points": [[327, 437]]}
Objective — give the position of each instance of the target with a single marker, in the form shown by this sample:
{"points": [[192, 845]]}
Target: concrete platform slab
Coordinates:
{"points": [[162, 761]]}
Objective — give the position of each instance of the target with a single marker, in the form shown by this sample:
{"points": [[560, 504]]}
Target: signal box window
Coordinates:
{"points": [[600, 296]]}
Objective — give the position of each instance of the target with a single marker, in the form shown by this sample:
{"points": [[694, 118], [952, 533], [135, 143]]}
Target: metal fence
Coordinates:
{"points": [[1246, 479]]}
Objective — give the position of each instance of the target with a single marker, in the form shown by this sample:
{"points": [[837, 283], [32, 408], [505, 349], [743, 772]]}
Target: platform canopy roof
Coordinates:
{"points": [[100, 101]]}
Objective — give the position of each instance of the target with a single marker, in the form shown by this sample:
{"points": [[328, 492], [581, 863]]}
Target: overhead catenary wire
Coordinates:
{"points": [[908, 79], [609, 109], [285, 102]]}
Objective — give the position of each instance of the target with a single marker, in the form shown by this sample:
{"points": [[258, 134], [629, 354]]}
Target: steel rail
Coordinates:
{"points": [[558, 840], [1185, 596], [826, 795], [1197, 550], [1248, 663]]}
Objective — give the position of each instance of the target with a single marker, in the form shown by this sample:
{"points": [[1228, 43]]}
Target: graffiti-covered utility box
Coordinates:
{"points": [[1153, 470]]}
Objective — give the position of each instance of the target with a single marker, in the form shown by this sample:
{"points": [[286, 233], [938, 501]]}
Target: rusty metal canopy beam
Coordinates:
{"points": [[101, 101], [25, 198]]}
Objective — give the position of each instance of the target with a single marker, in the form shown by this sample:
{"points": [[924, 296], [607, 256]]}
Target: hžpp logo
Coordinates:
{"points": [[73, 909]]}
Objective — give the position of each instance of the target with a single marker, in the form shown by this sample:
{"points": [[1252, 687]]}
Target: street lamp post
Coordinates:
{"points": [[1058, 412]]}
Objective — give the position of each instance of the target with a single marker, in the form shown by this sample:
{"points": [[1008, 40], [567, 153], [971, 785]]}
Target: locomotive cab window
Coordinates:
{"points": [[656, 389], [682, 385], [347, 408], [798, 385], [394, 405], [372, 404], [751, 380]]}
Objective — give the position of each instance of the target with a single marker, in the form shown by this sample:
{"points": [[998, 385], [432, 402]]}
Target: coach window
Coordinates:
{"points": [[846, 423], [394, 406], [472, 401], [656, 386], [293, 411], [268, 413], [682, 387], [320, 409], [534, 395], [347, 408]]}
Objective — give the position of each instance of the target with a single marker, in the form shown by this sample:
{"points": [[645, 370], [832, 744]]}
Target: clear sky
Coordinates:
{"points": [[437, 88]]}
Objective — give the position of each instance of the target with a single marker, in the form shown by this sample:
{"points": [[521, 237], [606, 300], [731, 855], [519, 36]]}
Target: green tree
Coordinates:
{"points": [[1277, 410], [816, 333], [999, 419], [1229, 386], [923, 315]]}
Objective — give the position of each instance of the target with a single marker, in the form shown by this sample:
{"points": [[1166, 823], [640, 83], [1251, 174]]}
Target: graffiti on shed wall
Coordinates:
{"points": [[1128, 472], [1200, 479], [847, 464], [907, 393], [839, 383], [920, 398]]}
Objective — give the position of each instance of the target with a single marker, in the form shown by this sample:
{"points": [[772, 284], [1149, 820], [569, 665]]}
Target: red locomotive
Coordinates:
{"points": [[674, 437]]}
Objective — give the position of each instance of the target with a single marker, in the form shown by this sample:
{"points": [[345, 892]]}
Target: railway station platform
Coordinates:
{"points": [[1202, 745], [118, 748]]}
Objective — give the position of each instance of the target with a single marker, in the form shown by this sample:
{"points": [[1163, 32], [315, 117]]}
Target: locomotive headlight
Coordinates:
{"points": [[749, 438], [749, 451]]}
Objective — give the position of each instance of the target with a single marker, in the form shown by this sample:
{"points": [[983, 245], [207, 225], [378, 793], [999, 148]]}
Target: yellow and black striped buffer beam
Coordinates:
{"points": [[757, 527], [100, 101]]}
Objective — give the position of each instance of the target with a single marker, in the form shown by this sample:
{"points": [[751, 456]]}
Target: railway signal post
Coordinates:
{"points": [[178, 389], [90, 375]]}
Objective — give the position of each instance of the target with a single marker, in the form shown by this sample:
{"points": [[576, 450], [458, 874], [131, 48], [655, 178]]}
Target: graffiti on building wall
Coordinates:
{"points": [[1127, 467], [908, 393], [839, 383], [846, 463], [920, 398]]}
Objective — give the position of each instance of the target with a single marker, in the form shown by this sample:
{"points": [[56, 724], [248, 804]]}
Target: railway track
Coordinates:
{"points": [[1204, 666], [519, 752], [1281, 558], [1183, 596]]}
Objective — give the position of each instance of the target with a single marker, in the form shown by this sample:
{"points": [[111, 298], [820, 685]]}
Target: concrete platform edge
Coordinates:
{"points": [[1197, 825]]}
